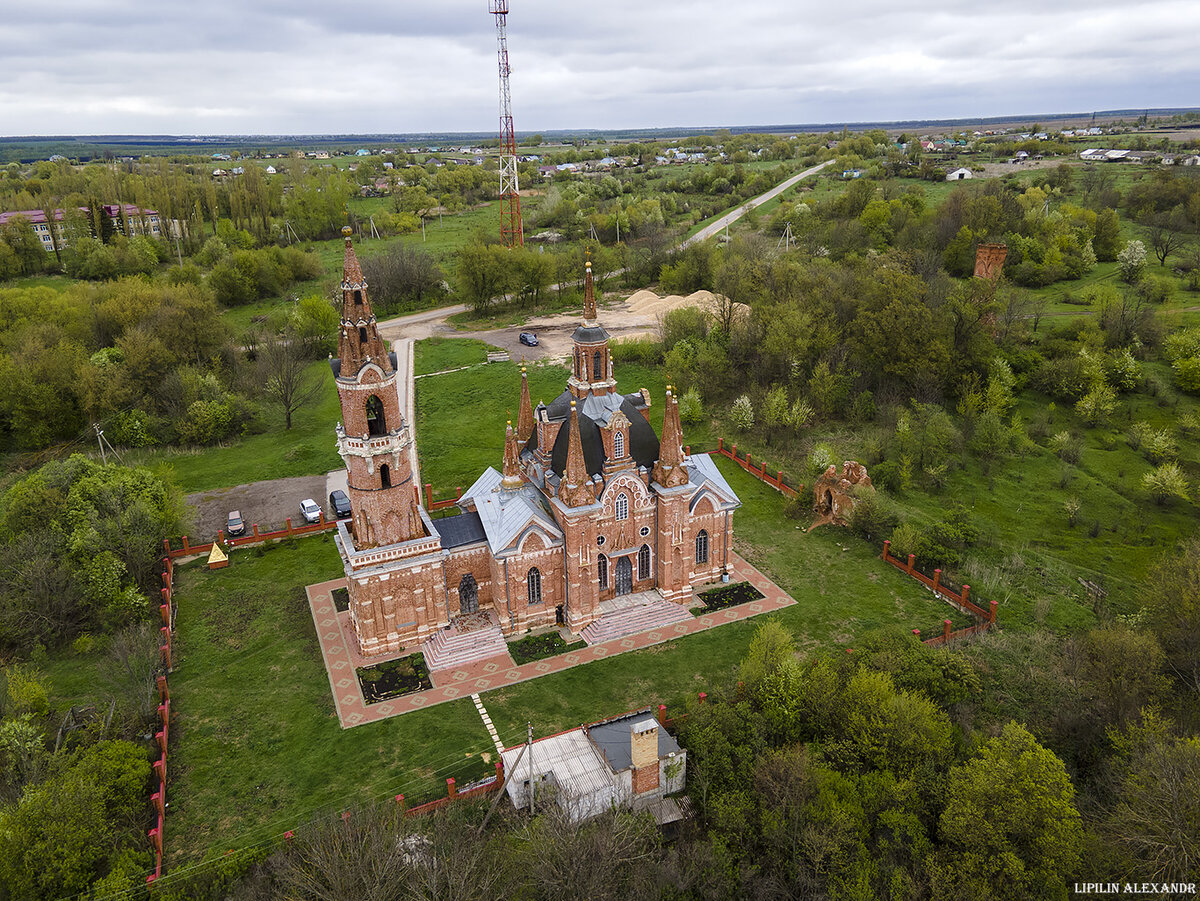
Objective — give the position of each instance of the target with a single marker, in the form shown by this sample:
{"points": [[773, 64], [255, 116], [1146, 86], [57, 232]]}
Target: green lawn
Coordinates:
{"points": [[307, 449], [438, 354], [256, 745]]}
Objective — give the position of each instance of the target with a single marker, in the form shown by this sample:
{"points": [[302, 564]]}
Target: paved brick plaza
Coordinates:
{"points": [[341, 657]]}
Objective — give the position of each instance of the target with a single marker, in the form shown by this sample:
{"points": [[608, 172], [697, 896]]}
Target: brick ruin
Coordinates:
{"points": [[833, 494]]}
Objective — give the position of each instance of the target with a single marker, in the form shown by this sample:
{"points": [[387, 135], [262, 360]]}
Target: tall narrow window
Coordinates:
{"points": [[534, 584], [362, 334], [622, 506], [597, 362], [702, 547], [385, 476], [618, 444], [644, 562], [376, 424], [602, 570], [357, 298]]}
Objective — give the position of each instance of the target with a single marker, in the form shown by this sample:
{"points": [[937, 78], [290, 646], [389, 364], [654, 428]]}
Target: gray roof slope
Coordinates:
{"points": [[463, 528], [703, 471], [505, 514], [613, 739]]}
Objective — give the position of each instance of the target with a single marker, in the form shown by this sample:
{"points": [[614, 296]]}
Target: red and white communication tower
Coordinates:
{"points": [[511, 234]]}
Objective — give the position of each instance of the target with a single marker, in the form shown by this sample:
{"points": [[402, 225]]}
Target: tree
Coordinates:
{"points": [[1124, 667], [481, 272], [287, 380], [26, 246], [1131, 262], [403, 278], [1166, 482], [1107, 238], [1172, 599], [1009, 828]]}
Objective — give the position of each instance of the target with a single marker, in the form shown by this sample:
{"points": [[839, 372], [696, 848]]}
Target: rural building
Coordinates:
{"points": [[959, 174], [629, 762], [139, 221], [589, 515]]}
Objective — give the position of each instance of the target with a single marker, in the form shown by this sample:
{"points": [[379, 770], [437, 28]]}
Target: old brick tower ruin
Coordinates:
{"points": [[588, 512]]}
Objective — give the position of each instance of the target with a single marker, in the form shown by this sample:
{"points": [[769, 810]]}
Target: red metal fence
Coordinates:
{"points": [[776, 481], [985, 619]]}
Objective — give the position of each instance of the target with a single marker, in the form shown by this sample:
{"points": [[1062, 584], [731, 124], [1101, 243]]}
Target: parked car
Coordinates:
{"points": [[310, 509], [339, 504], [235, 525], [529, 339]]}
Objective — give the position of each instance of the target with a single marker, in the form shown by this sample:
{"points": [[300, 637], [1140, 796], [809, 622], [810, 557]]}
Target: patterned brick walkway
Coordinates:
{"points": [[337, 649]]}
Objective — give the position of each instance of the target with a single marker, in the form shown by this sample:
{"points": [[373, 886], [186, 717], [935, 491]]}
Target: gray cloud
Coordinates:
{"points": [[269, 66]]}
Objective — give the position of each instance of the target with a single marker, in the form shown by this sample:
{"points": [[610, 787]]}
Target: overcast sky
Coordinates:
{"points": [[299, 66]]}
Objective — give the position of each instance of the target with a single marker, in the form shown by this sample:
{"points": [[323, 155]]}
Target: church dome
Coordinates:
{"points": [[643, 443]]}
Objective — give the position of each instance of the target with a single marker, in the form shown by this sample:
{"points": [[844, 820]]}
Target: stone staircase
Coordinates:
{"points": [[455, 647], [656, 613]]}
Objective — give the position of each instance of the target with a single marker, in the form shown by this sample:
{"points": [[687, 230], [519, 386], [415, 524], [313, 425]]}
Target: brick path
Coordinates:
{"points": [[341, 657]]}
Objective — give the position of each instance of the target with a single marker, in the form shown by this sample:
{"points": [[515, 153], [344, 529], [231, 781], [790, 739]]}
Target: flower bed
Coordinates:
{"points": [[393, 678], [727, 596], [535, 647]]}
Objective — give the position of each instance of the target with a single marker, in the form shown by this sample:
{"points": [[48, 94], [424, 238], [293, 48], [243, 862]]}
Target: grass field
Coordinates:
{"points": [[307, 449], [257, 747], [438, 354]]}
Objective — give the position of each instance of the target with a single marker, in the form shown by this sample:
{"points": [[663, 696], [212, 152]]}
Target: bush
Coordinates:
{"points": [[1187, 374], [741, 414], [821, 458], [690, 409], [636, 350], [1066, 447], [904, 539], [27, 690], [1166, 482], [1160, 446], [873, 514], [886, 475], [1097, 405]]}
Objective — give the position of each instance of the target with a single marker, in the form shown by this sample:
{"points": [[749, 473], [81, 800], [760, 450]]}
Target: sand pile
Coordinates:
{"points": [[648, 304]]}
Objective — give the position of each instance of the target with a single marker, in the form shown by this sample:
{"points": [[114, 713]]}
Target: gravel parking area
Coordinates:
{"points": [[267, 503]]}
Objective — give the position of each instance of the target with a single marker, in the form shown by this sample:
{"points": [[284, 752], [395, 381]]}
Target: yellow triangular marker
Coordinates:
{"points": [[216, 555]]}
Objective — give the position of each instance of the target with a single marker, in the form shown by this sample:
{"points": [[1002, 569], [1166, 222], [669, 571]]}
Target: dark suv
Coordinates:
{"points": [[339, 504], [529, 339], [235, 525]]}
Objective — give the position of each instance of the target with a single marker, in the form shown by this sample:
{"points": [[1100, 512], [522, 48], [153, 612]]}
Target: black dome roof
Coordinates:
{"points": [[643, 443]]}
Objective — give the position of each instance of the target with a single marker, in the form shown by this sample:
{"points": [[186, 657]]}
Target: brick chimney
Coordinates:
{"points": [[643, 739]]}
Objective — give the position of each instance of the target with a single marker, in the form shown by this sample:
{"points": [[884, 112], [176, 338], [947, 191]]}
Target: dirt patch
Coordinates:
{"points": [[269, 504]]}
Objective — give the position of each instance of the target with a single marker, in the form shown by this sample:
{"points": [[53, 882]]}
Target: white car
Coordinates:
{"points": [[310, 509]]}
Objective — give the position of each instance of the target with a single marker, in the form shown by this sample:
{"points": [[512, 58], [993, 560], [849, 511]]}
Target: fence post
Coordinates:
{"points": [[748, 466], [886, 547], [992, 613], [662, 714], [966, 591], [167, 547], [451, 787], [687, 449], [499, 772], [254, 529], [703, 697], [946, 625], [917, 632], [428, 494], [912, 560], [937, 581], [186, 546], [400, 801], [735, 452], [165, 610]]}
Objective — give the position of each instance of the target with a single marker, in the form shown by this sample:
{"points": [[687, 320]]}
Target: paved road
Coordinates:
{"points": [[729, 218]]}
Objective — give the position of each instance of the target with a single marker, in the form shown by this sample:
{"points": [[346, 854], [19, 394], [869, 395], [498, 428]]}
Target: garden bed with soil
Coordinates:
{"points": [[393, 678], [536, 647], [727, 596], [341, 599]]}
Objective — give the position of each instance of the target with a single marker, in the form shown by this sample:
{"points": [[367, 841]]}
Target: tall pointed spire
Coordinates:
{"points": [[359, 341], [589, 294], [575, 489], [669, 470], [512, 462], [525, 423]]}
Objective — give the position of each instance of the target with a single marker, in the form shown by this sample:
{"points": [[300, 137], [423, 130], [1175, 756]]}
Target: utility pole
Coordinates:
{"points": [[103, 443], [529, 750]]}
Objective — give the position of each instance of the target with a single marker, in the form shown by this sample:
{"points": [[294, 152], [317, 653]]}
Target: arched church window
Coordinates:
{"points": [[357, 298], [702, 547], [362, 334], [376, 424], [597, 372], [602, 570], [622, 506], [534, 584], [385, 476], [644, 562], [618, 444]]}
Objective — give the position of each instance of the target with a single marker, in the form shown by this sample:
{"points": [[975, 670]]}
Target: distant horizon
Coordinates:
{"points": [[647, 131]]}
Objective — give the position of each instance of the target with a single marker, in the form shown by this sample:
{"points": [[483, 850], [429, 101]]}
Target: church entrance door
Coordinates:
{"points": [[468, 595], [624, 576]]}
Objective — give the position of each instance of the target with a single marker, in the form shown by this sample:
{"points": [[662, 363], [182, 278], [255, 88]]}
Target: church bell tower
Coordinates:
{"points": [[373, 439]]}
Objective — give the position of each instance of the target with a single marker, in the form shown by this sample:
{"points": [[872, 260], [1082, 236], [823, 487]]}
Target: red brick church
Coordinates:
{"points": [[589, 513]]}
